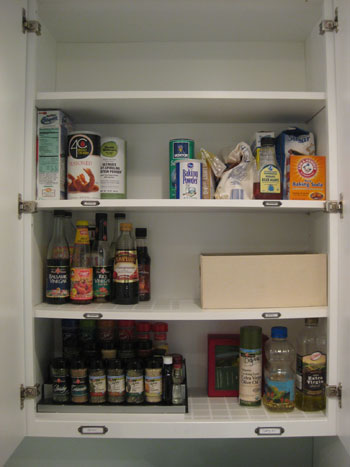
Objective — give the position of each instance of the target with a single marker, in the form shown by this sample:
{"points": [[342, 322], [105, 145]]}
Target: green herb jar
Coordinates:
{"points": [[134, 381]]}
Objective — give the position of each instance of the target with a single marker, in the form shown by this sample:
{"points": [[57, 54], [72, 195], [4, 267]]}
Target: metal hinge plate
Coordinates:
{"points": [[26, 207], [335, 392], [334, 207], [330, 25], [28, 392], [30, 25]]}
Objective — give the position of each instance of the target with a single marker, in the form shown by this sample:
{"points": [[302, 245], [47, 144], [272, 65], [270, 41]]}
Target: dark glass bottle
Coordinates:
{"points": [[144, 265], [167, 379], [81, 291], [100, 261], [57, 264], [268, 185], [125, 273]]}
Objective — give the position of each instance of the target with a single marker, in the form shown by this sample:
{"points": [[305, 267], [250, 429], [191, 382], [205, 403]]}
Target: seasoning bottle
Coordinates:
{"points": [[279, 393], [118, 217], [69, 232], [268, 185], [59, 373], [126, 350], [153, 380], [108, 350], [144, 265], [167, 379], [134, 381], [160, 331], [250, 365], [70, 338], [81, 271], [79, 381], [144, 349], [57, 264], [179, 394], [101, 262], [90, 351], [87, 331], [311, 368], [125, 272], [126, 330], [105, 330], [143, 330], [97, 381], [115, 381], [178, 373]]}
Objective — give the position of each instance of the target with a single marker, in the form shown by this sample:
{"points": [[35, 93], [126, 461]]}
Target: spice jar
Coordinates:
{"points": [[144, 349], [153, 380], [126, 350], [70, 338], [90, 351], [126, 330], [87, 331], [115, 381], [105, 330], [134, 381], [143, 330], [79, 387], [60, 380], [97, 381], [160, 336], [108, 350]]}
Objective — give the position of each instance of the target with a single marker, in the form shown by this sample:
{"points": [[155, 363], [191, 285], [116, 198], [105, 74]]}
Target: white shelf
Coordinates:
{"points": [[171, 310], [185, 106], [182, 205]]}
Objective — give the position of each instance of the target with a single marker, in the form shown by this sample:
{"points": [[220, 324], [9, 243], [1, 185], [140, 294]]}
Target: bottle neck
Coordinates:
{"points": [[58, 227], [101, 231], [141, 243], [267, 155]]}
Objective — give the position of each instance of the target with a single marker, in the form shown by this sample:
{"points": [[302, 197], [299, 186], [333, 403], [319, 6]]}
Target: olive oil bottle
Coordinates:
{"points": [[311, 368]]}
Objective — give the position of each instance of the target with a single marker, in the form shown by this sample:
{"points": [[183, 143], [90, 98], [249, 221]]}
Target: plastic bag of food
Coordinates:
{"points": [[237, 183], [217, 166], [208, 179]]}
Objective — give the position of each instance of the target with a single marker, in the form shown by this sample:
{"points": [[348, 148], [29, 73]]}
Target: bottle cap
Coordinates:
{"points": [[168, 360], [177, 358], [141, 232], [67, 214], [125, 227], [154, 363], [58, 213], [143, 326], [311, 321], [251, 337], [160, 327], [267, 141], [114, 363], [126, 323], [279, 332], [82, 224], [119, 215]]}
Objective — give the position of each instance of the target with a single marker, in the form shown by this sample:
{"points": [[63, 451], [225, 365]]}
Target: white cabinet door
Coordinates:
{"points": [[342, 51], [12, 98]]}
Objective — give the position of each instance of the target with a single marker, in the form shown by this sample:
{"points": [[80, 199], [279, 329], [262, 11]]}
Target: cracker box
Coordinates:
{"points": [[307, 178], [52, 129]]}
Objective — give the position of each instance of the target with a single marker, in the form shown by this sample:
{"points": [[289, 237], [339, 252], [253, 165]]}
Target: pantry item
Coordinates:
{"points": [[126, 350], [237, 182], [59, 373], [125, 274], [105, 330], [216, 164], [118, 217], [306, 178], [91, 351], [92, 234], [311, 373], [113, 168], [223, 365], [188, 179], [144, 265], [279, 394], [57, 264], [178, 394], [108, 350], [250, 365], [83, 165], [293, 141], [115, 381], [81, 292], [126, 329], [160, 335], [102, 270], [268, 183], [144, 349], [167, 379], [52, 129], [87, 331], [180, 148], [70, 338], [153, 380], [178, 373], [143, 329], [256, 144], [289, 280], [97, 381], [69, 232], [134, 381], [79, 381], [208, 179]]}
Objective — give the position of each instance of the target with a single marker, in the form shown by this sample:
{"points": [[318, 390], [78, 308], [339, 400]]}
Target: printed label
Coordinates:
{"points": [[188, 179], [81, 284], [82, 236], [113, 168], [270, 179], [134, 385], [79, 387], [125, 266], [102, 281], [60, 389], [97, 385], [57, 281], [153, 385], [279, 392], [116, 385], [311, 373], [250, 374], [144, 282], [180, 150]]}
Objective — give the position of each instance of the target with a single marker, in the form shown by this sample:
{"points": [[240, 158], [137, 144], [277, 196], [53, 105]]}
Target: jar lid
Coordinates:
{"points": [[77, 364], [134, 364], [160, 327], [126, 323], [267, 141], [141, 232], [114, 363], [96, 364], [67, 214], [100, 216], [177, 365], [58, 213], [177, 358], [311, 321], [126, 345], [154, 363], [87, 323], [279, 332], [108, 345], [59, 363], [90, 346], [144, 345], [82, 224], [251, 337], [143, 326], [70, 323], [125, 227], [168, 360]]}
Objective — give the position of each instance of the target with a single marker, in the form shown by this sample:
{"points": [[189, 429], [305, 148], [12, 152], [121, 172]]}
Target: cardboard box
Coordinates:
{"points": [[306, 178], [263, 281]]}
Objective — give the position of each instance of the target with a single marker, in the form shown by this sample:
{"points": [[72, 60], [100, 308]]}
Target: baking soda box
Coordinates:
{"points": [[307, 178], [52, 129]]}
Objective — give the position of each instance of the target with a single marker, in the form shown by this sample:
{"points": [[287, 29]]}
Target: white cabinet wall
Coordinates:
{"points": [[184, 69]]}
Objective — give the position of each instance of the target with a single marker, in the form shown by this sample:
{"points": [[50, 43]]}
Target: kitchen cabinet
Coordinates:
{"points": [[148, 72]]}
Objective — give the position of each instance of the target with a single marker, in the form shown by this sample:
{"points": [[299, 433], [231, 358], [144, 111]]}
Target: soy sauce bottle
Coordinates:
{"points": [[144, 265]]}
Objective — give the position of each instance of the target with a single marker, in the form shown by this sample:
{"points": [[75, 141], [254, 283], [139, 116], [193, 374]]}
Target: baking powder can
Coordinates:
{"points": [[83, 165], [189, 178], [113, 168], [180, 148]]}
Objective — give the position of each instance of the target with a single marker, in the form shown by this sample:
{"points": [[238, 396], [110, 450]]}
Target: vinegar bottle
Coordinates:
{"points": [[144, 264], [81, 291], [100, 261]]}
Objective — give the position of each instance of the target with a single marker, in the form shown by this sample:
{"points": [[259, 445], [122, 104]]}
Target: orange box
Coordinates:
{"points": [[307, 178]]}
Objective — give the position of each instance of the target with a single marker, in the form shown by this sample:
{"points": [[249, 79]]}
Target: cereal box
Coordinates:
{"points": [[307, 178]]}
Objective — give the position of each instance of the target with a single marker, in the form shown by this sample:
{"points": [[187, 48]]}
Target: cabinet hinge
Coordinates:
{"points": [[26, 207], [30, 25], [330, 25], [28, 392], [335, 392], [334, 207]]}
